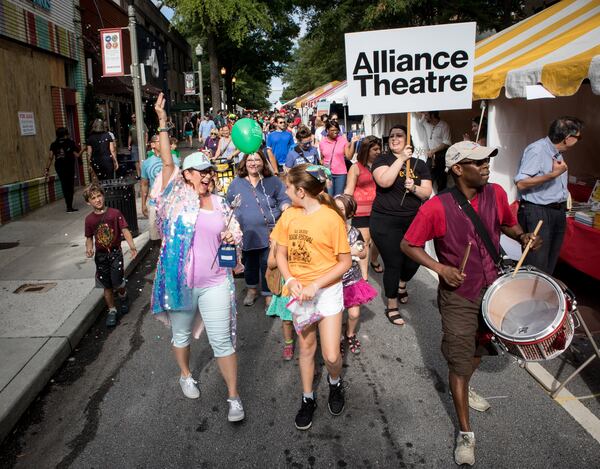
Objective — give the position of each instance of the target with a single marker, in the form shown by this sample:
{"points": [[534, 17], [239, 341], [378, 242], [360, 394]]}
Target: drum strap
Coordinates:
{"points": [[478, 224]]}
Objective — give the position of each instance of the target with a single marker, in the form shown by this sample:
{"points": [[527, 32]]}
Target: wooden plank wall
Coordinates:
{"points": [[25, 85]]}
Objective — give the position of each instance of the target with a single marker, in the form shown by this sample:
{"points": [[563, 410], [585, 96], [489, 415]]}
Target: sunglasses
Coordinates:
{"points": [[478, 163], [578, 137]]}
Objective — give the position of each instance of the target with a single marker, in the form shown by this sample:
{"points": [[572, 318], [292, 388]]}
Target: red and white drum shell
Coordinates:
{"points": [[529, 314]]}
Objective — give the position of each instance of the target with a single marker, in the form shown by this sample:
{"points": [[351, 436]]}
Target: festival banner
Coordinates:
{"points": [[190, 83], [112, 52], [410, 69]]}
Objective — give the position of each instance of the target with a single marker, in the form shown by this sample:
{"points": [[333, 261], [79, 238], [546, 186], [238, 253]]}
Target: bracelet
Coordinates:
{"points": [[288, 281], [414, 191], [163, 129]]}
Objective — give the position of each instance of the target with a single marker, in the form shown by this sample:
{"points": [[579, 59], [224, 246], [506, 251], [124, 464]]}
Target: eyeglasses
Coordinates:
{"points": [[258, 160], [398, 135], [478, 163], [578, 137]]}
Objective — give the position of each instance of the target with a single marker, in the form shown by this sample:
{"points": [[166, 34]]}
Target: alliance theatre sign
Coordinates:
{"points": [[410, 69]]}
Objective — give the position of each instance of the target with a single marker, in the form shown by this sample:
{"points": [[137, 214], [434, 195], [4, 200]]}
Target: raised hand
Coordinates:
{"points": [[159, 108]]}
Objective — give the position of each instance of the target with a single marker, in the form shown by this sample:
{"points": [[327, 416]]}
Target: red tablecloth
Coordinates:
{"points": [[581, 248], [579, 192]]}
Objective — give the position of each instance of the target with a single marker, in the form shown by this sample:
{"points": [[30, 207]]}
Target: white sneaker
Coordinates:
{"points": [[236, 410], [476, 402], [465, 449], [189, 388]]}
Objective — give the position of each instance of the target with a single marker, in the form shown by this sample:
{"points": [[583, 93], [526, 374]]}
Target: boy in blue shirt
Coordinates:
{"points": [[304, 152]]}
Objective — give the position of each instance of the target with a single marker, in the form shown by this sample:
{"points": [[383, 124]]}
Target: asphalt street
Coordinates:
{"points": [[116, 403]]}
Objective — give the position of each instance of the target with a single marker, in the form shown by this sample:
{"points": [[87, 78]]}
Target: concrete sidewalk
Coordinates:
{"points": [[39, 328]]}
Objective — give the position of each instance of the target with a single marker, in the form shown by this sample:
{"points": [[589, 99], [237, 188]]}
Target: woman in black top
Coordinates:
{"points": [[64, 151], [102, 152], [396, 203]]}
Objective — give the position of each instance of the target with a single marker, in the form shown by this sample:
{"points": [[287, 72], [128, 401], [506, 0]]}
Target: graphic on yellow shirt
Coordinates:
{"points": [[299, 248]]}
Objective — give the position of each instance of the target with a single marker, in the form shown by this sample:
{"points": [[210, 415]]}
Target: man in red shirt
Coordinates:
{"points": [[460, 293]]}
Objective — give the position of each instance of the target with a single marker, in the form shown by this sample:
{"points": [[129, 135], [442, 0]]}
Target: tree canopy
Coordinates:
{"points": [[319, 56]]}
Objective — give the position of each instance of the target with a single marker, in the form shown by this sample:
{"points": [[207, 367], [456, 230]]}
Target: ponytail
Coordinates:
{"points": [[325, 199]]}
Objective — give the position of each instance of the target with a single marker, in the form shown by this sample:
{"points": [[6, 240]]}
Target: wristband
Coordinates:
{"points": [[163, 129], [288, 281], [414, 191]]}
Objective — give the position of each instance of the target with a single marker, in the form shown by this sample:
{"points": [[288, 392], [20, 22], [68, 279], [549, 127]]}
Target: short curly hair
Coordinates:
{"points": [[93, 188]]}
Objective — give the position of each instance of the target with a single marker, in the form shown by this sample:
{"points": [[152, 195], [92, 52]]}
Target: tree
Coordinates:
{"points": [[234, 32], [320, 57]]}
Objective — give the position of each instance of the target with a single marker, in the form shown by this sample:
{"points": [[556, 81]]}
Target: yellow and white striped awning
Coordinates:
{"points": [[559, 48]]}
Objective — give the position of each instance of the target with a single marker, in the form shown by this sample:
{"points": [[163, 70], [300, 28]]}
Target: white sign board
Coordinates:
{"points": [[112, 52], [26, 123], [429, 68]]}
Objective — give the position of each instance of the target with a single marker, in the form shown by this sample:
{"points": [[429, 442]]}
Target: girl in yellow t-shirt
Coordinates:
{"points": [[312, 254]]}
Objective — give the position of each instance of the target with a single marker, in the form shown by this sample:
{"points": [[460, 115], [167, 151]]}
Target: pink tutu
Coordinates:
{"points": [[358, 293]]}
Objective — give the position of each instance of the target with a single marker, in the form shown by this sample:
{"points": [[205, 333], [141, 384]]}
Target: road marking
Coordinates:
{"points": [[582, 415]]}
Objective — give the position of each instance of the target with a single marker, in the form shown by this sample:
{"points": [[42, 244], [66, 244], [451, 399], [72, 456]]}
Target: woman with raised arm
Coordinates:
{"points": [[191, 290]]}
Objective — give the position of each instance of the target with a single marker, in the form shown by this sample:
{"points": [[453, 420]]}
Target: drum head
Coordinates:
{"points": [[525, 308]]}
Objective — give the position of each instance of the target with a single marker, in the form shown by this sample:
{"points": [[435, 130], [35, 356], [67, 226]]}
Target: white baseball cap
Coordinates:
{"points": [[467, 150], [198, 161]]}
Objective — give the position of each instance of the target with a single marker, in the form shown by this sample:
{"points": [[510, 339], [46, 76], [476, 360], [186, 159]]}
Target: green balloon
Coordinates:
{"points": [[247, 135]]}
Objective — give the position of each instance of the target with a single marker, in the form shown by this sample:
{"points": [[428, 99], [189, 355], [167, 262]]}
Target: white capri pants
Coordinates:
{"points": [[214, 306]]}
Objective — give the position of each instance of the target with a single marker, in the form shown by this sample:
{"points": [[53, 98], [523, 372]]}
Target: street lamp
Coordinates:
{"points": [[200, 88], [233, 93], [223, 72]]}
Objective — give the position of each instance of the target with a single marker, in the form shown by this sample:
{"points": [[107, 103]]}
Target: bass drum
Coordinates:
{"points": [[529, 314]]}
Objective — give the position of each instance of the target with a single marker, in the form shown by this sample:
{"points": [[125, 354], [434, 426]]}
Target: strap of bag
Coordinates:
{"points": [[478, 224], [301, 154]]}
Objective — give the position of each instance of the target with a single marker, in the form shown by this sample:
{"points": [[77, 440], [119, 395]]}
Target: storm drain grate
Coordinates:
{"points": [[35, 287]]}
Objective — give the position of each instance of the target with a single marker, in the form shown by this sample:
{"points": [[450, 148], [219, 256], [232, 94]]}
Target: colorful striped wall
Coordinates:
{"points": [[22, 197], [25, 26]]}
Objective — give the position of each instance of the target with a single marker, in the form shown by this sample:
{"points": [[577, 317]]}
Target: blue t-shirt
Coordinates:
{"points": [[280, 143], [310, 156], [152, 166]]}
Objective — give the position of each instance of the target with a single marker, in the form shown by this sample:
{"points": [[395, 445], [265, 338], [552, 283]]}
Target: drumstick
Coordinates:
{"points": [[526, 250], [406, 175], [463, 264]]}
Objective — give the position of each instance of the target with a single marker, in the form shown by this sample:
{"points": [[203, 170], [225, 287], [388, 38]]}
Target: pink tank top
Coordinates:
{"points": [[364, 192]]}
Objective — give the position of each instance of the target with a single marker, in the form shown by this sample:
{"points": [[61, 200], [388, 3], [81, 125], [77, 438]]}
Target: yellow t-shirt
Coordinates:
{"points": [[313, 241]]}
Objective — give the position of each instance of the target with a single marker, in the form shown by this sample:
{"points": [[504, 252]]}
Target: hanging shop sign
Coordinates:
{"points": [[112, 52]]}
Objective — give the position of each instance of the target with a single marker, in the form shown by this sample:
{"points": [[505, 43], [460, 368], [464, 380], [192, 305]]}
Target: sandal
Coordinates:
{"points": [[353, 344], [393, 317], [403, 295], [377, 268]]}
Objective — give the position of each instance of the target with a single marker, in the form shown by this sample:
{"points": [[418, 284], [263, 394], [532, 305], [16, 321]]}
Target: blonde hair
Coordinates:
{"points": [[301, 178]]}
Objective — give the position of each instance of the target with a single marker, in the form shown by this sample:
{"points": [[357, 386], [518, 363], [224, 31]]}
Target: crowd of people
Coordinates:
{"points": [[307, 215]]}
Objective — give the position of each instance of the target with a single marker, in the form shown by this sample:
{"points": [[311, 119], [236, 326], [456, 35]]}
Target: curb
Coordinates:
{"points": [[33, 377]]}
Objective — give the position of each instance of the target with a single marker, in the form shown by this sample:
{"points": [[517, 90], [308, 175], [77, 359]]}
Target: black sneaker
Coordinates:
{"points": [[305, 414], [336, 398]]}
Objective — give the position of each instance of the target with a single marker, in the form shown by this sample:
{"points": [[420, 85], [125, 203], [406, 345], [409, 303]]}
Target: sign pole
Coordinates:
{"points": [[136, 80]]}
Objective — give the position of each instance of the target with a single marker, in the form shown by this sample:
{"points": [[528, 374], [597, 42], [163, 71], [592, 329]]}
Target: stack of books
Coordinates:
{"points": [[585, 218]]}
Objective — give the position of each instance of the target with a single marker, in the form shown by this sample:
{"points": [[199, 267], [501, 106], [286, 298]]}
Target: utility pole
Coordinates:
{"points": [[200, 88], [137, 82]]}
